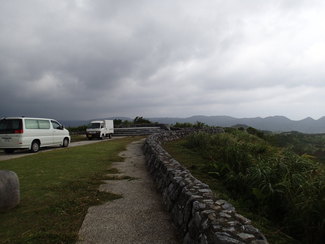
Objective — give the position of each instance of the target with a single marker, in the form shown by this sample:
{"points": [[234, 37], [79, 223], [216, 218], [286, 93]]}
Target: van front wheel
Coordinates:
{"points": [[35, 147], [65, 142]]}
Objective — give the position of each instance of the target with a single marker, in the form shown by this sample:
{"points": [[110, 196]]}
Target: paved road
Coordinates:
{"points": [[23, 153], [137, 217]]}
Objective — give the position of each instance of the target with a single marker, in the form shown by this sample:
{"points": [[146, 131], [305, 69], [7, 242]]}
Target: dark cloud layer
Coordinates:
{"points": [[82, 59]]}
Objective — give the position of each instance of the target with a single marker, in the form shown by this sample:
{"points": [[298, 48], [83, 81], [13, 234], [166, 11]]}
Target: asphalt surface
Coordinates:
{"points": [[137, 217], [23, 153]]}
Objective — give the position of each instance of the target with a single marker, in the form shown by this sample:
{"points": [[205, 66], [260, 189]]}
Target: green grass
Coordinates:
{"points": [[196, 164], [199, 167], [75, 138], [57, 188], [274, 182]]}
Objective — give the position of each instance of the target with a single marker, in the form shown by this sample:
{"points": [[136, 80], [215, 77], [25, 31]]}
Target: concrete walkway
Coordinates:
{"points": [[137, 217]]}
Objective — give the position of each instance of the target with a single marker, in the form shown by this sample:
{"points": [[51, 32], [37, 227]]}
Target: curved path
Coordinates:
{"points": [[137, 217]]}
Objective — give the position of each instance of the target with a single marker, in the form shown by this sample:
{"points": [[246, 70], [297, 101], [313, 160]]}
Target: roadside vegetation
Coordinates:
{"points": [[307, 145], [137, 121], [77, 129], [77, 132], [197, 125], [280, 190], [78, 137], [57, 188]]}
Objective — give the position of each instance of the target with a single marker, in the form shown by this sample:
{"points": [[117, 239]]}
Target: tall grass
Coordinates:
{"points": [[277, 183]]}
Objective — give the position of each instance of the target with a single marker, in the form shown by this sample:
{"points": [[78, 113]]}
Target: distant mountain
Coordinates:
{"points": [[272, 123]]}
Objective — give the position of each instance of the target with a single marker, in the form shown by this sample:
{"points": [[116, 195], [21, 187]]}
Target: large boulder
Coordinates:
{"points": [[9, 190]]}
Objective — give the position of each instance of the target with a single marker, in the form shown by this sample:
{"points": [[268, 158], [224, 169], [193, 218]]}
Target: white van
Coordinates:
{"points": [[31, 133]]}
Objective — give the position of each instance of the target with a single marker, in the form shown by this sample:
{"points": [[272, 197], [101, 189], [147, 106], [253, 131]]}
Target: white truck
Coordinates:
{"points": [[100, 129]]}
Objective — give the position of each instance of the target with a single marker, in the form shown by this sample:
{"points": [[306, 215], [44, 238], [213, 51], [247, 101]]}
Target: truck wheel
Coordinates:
{"points": [[35, 147], [65, 142]]}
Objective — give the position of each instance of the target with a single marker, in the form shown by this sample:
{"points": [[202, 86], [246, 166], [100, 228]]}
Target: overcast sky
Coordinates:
{"points": [[84, 59]]}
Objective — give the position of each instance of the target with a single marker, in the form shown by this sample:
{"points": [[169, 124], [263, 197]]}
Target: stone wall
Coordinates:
{"points": [[136, 131], [196, 213]]}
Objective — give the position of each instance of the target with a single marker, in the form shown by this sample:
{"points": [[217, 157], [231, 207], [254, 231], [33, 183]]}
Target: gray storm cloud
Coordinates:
{"points": [[83, 59]]}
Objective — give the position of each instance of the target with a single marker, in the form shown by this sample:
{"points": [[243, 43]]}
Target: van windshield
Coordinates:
{"points": [[8, 126], [94, 126]]}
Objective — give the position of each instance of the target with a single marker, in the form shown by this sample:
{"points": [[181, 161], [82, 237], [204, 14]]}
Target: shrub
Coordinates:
{"points": [[78, 130], [278, 183]]}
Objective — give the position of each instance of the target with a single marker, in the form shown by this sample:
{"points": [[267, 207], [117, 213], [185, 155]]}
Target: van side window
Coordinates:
{"points": [[44, 124], [56, 125], [37, 124], [31, 124]]}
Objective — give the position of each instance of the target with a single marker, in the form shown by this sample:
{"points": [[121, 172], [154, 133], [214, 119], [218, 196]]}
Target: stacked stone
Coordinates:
{"points": [[136, 131], [197, 214]]}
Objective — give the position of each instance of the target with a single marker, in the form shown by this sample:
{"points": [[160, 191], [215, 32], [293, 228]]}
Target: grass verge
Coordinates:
{"points": [[57, 188], [199, 168], [78, 137]]}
